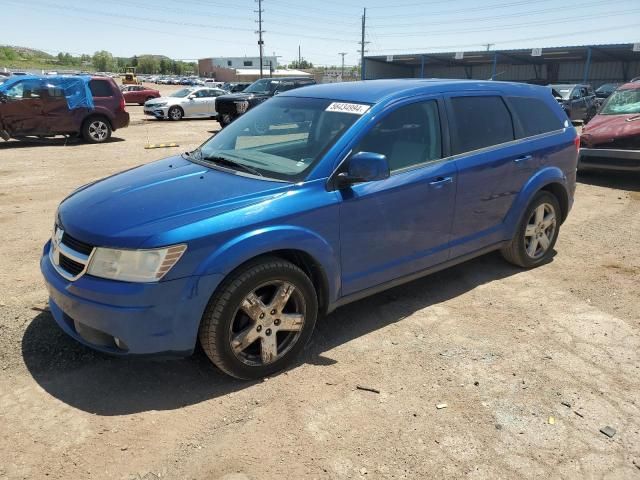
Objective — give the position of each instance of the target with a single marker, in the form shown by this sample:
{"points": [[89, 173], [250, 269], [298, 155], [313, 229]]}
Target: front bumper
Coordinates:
{"points": [[129, 318], [158, 112], [609, 159]]}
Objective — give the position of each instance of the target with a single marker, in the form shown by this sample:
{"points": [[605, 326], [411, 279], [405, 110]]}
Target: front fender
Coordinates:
{"points": [[261, 241], [542, 178]]}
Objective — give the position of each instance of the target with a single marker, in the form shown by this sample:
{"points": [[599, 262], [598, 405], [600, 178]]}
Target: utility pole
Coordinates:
{"points": [[299, 57], [488, 45], [260, 32], [342, 71], [362, 44]]}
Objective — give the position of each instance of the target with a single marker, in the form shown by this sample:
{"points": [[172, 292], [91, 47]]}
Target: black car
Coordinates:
{"points": [[577, 100], [230, 107]]}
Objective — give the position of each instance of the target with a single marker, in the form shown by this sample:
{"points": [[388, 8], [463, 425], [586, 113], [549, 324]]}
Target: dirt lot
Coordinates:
{"points": [[505, 349]]}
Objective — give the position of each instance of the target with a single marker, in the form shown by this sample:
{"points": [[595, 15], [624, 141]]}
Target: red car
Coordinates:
{"points": [[611, 140], [37, 106], [138, 94]]}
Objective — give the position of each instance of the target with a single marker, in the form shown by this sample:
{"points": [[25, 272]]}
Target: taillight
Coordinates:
{"points": [[576, 142], [122, 103]]}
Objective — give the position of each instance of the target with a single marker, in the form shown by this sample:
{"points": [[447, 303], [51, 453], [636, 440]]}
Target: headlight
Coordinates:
{"points": [[134, 265], [161, 104], [242, 106]]}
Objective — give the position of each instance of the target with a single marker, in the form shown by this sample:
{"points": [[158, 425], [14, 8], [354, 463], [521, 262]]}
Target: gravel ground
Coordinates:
{"points": [[530, 364]]}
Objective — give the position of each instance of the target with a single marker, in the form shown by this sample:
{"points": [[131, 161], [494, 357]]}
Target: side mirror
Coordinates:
{"points": [[364, 167], [191, 97]]}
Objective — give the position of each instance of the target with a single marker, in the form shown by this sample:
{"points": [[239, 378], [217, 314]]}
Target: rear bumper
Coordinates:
{"points": [[121, 120], [124, 318], [609, 159]]}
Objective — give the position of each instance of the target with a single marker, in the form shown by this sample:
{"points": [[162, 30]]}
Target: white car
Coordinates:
{"points": [[192, 102]]}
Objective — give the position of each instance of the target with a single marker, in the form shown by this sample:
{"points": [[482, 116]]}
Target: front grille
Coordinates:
{"points": [[71, 266], [77, 245], [69, 255], [226, 107]]}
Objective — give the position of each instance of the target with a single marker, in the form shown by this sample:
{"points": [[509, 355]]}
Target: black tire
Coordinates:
{"points": [[175, 113], [96, 129], [223, 315], [225, 120], [516, 251]]}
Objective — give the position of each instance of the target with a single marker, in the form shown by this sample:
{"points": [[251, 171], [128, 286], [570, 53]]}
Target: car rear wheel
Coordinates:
{"points": [[175, 113], [96, 130], [537, 233], [260, 318]]}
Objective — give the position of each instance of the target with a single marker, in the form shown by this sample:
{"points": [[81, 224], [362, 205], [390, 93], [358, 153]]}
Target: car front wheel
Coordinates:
{"points": [[537, 233], [175, 113], [260, 318]]}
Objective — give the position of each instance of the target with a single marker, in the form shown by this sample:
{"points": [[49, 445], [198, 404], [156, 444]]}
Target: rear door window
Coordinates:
{"points": [[100, 88], [480, 122], [534, 115]]}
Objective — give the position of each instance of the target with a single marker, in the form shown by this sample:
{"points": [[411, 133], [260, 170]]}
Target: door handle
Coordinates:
{"points": [[441, 181], [523, 159]]}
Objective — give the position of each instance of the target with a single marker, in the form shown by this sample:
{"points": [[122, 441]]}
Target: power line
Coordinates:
{"points": [[529, 39], [508, 26], [497, 17]]}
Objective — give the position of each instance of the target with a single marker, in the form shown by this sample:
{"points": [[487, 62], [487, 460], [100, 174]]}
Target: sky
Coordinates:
{"points": [[192, 29]]}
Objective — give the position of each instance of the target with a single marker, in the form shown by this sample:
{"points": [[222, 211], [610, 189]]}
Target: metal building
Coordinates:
{"points": [[594, 64]]}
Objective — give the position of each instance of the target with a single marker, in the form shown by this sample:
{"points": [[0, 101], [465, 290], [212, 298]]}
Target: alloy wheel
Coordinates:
{"points": [[268, 323], [540, 231], [98, 130]]}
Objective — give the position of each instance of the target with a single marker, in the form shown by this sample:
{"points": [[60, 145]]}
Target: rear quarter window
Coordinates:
{"points": [[535, 116], [100, 88], [480, 122]]}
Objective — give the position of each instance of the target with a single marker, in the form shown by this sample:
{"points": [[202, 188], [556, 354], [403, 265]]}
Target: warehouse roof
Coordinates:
{"points": [[521, 56]]}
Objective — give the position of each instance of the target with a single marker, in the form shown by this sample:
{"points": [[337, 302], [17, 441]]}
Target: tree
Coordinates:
{"points": [[103, 61], [148, 64], [301, 65]]}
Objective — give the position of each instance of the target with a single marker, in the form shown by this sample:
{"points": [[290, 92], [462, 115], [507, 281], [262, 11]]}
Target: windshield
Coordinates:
{"points": [[563, 90], [182, 93], [622, 102], [606, 88], [266, 85], [282, 138]]}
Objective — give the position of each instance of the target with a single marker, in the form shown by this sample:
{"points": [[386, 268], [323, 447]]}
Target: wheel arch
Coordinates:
{"points": [[302, 247], [550, 179]]}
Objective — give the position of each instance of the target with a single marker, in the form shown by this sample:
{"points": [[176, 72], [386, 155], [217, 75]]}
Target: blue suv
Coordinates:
{"points": [[320, 196]]}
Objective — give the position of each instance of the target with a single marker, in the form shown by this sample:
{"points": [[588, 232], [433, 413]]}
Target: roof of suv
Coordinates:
{"points": [[374, 91]]}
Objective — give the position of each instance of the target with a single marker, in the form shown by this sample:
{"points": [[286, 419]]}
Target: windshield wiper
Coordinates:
{"points": [[231, 163]]}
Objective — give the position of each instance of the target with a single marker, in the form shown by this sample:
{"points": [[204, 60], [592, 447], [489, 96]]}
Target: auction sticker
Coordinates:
{"points": [[355, 108]]}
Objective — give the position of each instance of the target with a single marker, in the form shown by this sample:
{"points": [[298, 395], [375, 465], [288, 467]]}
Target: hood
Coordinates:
{"points": [[606, 128], [128, 208], [164, 99], [236, 97]]}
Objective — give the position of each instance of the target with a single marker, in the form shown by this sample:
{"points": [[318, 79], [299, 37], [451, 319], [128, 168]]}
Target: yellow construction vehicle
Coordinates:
{"points": [[129, 77]]}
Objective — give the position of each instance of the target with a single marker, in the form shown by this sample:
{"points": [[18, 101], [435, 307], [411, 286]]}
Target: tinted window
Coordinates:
{"points": [[535, 116], [408, 136], [480, 122], [100, 88]]}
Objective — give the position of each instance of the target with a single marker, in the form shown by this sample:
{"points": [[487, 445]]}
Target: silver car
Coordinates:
{"points": [[192, 102]]}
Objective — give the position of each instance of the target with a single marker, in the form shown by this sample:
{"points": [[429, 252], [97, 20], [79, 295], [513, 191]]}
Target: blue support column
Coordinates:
{"points": [[587, 66], [422, 66], [495, 65]]}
